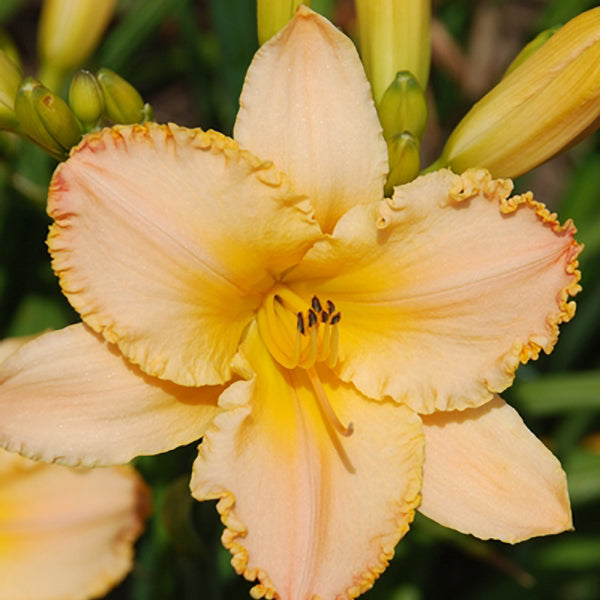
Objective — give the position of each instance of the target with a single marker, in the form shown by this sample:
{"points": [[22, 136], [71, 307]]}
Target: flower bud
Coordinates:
{"points": [[122, 102], [46, 118], [537, 42], [69, 32], [86, 98], [394, 36], [542, 106], [403, 107], [273, 15], [10, 78], [403, 155]]}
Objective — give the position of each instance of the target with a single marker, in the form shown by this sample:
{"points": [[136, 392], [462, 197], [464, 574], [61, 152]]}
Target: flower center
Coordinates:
{"points": [[298, 334]]}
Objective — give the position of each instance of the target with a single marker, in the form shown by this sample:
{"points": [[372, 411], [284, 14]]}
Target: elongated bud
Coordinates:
{"points": [[122, 102], [9, 48], [403, 107], [537, 42], [69, 32], [545, 104], [46, 118], [10, 78], [86, 98], [273, 15], [403, 154], [394, 36]]}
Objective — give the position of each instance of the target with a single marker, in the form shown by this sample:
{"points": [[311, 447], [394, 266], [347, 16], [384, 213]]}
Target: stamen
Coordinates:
{"points": [[316, 305], [333, 346], [326, 407], [297, 349], [300, 323], [314, 347], [299, 333]]}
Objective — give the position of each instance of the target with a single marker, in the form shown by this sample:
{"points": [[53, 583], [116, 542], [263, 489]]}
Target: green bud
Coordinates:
{"points": [[86, 98], [122, 102], [403, 107], [273, 15], [403, 153], [537, 42], [9, 48], [10, 78], [46, 118]]}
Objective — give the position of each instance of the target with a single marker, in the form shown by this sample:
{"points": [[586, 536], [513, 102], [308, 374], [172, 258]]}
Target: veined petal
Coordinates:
{"points": [[284, 479], [486, 474], [66, 533], [443, 289], [165, 239], [307, 105], [69, 396]]}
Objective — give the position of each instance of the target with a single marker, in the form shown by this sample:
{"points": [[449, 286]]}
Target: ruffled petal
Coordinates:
{"points": [[165, 238], [308, 513], [444, 289], [307, 105], [69, 396], [66, 534], [486, 474]]}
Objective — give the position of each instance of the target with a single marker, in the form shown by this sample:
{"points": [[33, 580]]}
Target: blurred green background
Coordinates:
{"points": [[188, 59]]}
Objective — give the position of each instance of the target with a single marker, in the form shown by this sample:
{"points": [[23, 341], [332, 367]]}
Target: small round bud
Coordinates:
{"points": [[86, 98], [122, 102]]}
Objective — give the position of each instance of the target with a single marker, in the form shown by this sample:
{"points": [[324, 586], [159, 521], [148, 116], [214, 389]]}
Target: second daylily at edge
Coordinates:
{"points": [[322, 339]]}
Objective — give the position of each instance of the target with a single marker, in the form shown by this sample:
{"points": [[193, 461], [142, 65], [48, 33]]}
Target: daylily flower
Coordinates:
{"points": [[65, 533], [339, 352]]}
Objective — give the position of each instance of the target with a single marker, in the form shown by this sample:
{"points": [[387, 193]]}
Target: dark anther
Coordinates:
{"points": [[316, 305], [324, 316], [277, 298], [336, 318], [330, 307], [300, 323], [312, 317]]}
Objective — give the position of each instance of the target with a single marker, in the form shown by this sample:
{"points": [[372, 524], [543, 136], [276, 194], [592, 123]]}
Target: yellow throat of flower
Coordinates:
{"points": [[299, 335]]}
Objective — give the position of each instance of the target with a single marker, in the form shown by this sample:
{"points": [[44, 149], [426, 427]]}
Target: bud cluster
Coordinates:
{"points": [[29, 108], [68, 33]]}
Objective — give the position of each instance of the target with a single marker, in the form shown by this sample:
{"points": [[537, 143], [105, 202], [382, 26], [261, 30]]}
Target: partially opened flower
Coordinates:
{"points": [[322, 339], [65, 533]]}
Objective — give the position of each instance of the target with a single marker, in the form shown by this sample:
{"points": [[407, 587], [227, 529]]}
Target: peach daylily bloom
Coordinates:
{"points": [[339, 352], [65, 533]]}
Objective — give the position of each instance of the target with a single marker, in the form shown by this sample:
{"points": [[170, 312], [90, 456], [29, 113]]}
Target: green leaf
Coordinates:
{"points": [[559, 393], [583, 474]]}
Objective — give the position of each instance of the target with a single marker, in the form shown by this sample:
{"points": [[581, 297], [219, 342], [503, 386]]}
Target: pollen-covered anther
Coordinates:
{"points": [[297, 333]]}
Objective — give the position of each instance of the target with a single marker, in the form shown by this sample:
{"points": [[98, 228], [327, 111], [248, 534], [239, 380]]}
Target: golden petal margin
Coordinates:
{"points": [[479, 181]]}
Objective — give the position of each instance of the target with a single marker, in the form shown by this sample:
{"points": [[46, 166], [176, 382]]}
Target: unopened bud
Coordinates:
{"points": [[394, 36], [403, 107], [69, 32], [537, 42], [122, 102], [10, 78], [544, 105], [273, 15], [86, 98], [403, 154], [46, 118]]}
